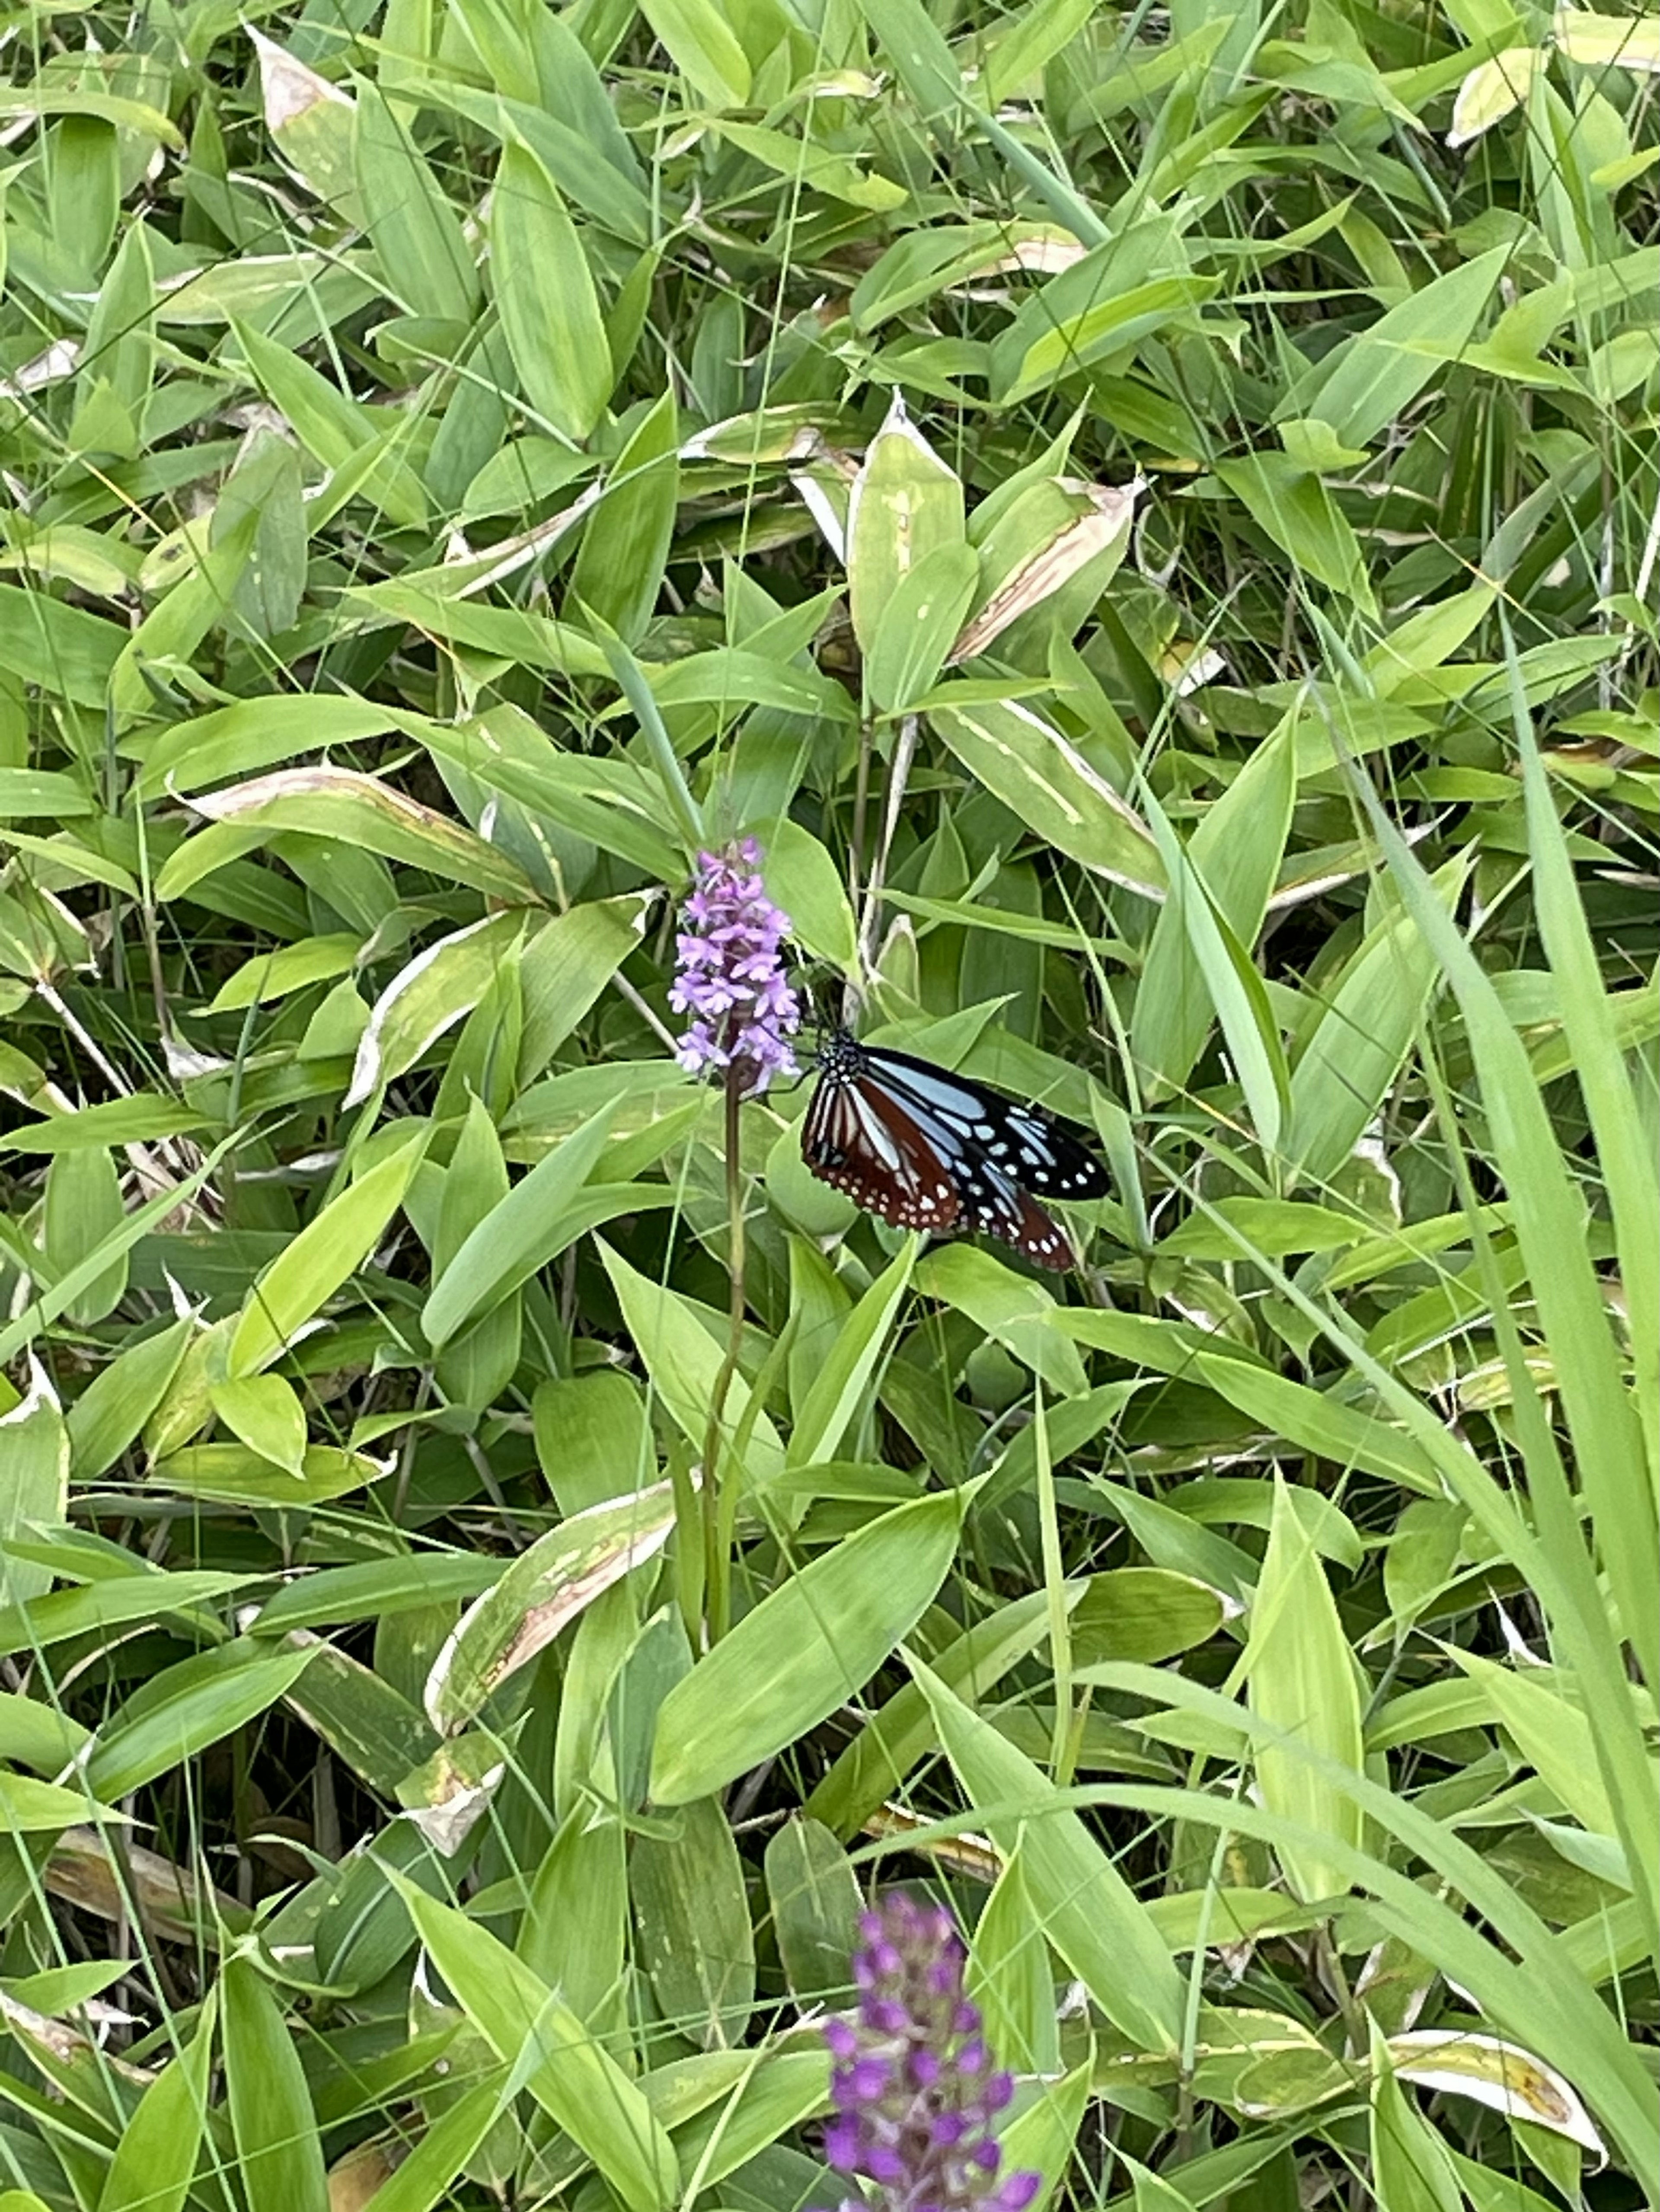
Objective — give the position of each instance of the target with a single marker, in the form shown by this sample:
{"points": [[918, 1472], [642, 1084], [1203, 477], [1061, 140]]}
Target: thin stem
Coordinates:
{"points": [[716, 1564]]}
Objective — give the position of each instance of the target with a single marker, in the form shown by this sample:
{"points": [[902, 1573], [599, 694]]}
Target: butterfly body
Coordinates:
{"points": [[924, 1149]]}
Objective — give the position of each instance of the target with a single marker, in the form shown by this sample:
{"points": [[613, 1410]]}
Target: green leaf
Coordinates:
{"points": [[815, 1900], [842, 1385], [1088, 1912], [546, 296], [1366, 383], [1045, 781], [543, 1589], [331, 1249], [155, 2160], [807, 1647], [1141, 1613], [180, 1712], [905, 504], [803, 880], [916, 629], [692, 1912], [530, 1226], [700, 42], [439, 988], [1371, 1012], [1011, 1310], [579, 2087], [1301, 517], [683, 1360], [1302, 1680], [902, 1733], [415, 232], [618, 571], [279, 2152], [35, 1447]]}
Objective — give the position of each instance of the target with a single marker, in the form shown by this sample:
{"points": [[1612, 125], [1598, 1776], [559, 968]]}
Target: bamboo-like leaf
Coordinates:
{"points": [[812, 1642]]}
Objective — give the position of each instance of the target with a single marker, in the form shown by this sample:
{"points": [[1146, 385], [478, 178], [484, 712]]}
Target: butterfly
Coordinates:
{"points": [[924, 1149]]}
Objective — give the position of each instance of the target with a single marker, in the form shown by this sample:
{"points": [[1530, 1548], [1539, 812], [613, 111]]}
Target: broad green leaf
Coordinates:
{"points": [[373, 1589], [699, 41], [1042, 2136], [180, 1712], [91, 1608], [842, 1384], [1233, 984], [1302, 518], [574, 1932], [1494, 88], [336, 430], [328, 1250], [1554, 1735], [142, 1117], [542, 1590], [1141, 1613], [339, 805], [260, 733], [310, 121], [902, 1733], [1319, 1422], [120, 1398], [1232, 1228], [1368, 382], [1010, 1979], [905, 504], [526, 2024], [914, 47], [1412, 2169], [1110, 328], [34, 1449], [618, 571], [568, 960], [1011, 1310], [802, 878], [264, 1411], [1046, 782], [1371, 1012], [155, 2160], [237, 1474], [916, 629], [1302, 1680], [807, 1648], [1089, 1914], [529, 1227], [279, 2153], [545, 295], [692, 1914], [439, 988], [415, 233], [32, 1809], [683, 1360], [815, 1900]]}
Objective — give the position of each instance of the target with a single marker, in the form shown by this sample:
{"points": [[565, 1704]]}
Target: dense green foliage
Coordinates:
{"points": [[1151, 519]]}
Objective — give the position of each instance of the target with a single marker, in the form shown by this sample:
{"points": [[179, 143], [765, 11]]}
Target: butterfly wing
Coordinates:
{"points": [[1036, 1150], [924, 1149], [857, 1139], [993, 1206]]}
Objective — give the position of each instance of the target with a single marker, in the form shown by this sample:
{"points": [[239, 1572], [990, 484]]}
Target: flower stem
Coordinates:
{"points": [[717, 1564]]}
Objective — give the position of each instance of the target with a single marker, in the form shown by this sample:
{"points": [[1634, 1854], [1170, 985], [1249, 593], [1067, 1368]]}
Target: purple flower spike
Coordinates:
{"points": [[729, 976], [916, 2109]]}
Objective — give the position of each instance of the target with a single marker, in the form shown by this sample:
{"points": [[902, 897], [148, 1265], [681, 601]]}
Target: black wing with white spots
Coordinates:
{"points": [[925, 1149]]}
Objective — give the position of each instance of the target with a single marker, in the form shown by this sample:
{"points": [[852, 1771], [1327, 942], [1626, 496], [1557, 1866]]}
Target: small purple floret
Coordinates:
{"points": [[729, 974], [915, 2093]]}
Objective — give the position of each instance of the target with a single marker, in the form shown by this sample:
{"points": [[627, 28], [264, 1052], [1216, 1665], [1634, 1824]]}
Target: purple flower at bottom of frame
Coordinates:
{"points": [[729, 974], [916, 2091]]}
